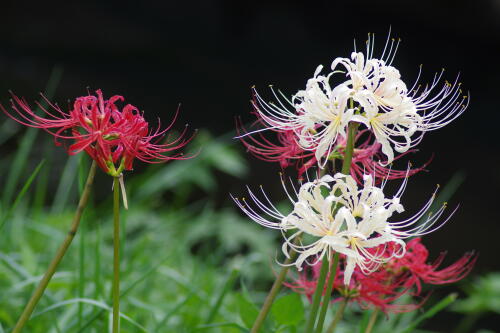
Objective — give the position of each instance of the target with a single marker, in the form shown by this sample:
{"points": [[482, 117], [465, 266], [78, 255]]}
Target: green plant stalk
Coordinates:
{"points": [[346, 168], [338, 316], [325, 265], [326, 297], [37, 294], [372, 321], [143, 277], [116, 255], [349, 148], [81, 275], [272, 294]]}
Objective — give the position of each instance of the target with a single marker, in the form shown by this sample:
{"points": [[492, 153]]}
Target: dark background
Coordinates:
{"points": [[208, 54]]}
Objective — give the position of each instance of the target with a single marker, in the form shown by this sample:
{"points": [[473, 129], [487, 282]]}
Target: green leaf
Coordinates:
{"points": [[288, 309], [248, 311], [21, 194], [92, 302]]}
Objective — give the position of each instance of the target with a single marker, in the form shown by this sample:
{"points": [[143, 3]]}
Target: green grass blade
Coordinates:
{"points": [[174, 310], [89, 301], [431, 312], [42, 183], [126, 291], [228, 285], [21, 194], [209, 326], [68, 178], [28, 142]]}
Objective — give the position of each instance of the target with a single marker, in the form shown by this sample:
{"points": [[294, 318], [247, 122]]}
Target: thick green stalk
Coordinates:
{"points": [[349, 148], [116, 254], [259, 321], [325, 265], [371, 322], [346, 168], [338, 315], [37, 294], [326, 297]]}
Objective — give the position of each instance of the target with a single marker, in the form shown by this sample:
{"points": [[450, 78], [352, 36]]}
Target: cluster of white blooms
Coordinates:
{"points": [[334, 214], [372, 93]]}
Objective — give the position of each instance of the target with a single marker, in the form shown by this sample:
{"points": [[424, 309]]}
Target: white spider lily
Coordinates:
{"points": [[318, 114], [323, 113], [373, 94], [398, 116], [333, 214]]}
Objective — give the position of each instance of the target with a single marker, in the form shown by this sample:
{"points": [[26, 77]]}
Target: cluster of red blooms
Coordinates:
{"points": [[383, 287], [113, 137], [367, 156]]}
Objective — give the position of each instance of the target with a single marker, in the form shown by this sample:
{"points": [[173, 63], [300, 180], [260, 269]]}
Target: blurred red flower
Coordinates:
{"points": [[383, 287]]}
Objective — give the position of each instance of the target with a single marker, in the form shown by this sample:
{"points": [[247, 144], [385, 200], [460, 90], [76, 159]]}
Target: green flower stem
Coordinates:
{"points": [[326, 297], [349, 148], [272, 294], [346, 168], [325, 265], [338, 316], [372, 321], [116, 254], [37, 294]]}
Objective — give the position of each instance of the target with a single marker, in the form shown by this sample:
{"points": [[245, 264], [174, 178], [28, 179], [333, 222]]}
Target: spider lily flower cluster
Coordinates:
{"points": [[334, 214], [111, 136], [371, 92], [368, 120], [393, 279]]}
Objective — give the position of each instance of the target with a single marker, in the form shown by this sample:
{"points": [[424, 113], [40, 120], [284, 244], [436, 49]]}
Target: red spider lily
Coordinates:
{"points": [[383, 287], [414, 263], [367, 156], [109, 135], [287, 152]]}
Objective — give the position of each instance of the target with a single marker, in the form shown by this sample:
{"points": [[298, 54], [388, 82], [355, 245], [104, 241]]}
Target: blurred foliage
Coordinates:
{"points": [[483, 295]]}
